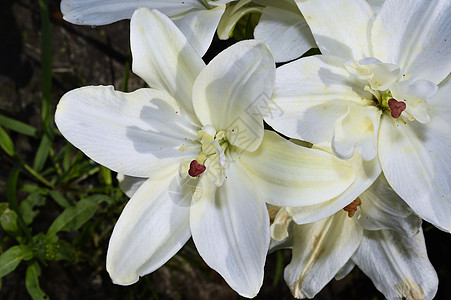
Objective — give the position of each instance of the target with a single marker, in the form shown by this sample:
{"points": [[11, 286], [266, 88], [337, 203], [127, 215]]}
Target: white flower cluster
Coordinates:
{"points": [[369, 119]]}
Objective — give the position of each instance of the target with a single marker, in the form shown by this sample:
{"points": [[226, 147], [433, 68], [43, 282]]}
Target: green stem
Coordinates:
{"points": [[37, 176]]}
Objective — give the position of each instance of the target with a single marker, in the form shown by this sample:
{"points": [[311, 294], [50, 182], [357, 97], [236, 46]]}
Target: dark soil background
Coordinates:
{"points": [[84, 55]]}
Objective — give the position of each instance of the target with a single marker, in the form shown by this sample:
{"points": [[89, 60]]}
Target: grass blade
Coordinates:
{"points": [[18, 126]]}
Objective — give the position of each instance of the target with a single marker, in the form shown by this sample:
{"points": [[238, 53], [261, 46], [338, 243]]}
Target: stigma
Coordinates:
{"points": [[195, 168], [396, 107]]}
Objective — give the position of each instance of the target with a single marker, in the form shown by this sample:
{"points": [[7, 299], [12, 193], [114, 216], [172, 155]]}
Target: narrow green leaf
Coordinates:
{"points": [[11, 195], [279, 268], [11, 258], [30, 188], [42, 153], [46, 63], [126, 76], [106, 175], [32, 282], [98, 198], [59, 198], [18, 126], [73, 217], [46, 85], [6, 143], [67, 156]]}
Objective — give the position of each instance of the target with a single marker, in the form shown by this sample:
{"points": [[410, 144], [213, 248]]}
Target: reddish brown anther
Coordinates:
{"points": [[195, 168], [351, 208], [396, 107]]}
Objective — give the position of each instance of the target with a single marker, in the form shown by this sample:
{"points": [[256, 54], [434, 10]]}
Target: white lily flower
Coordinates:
{"points": [[280, 25], [366, 172], [197, 19], [381, 89], [384, 239], [197, 136], [285, 30]]}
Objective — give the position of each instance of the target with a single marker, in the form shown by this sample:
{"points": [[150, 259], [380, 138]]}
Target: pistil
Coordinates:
{"points": [[195, 168], [396, 107]]}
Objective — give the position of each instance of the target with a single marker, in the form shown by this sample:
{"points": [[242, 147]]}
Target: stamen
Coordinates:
{"points": [[351, 208], [195, 168], [396, 107]]}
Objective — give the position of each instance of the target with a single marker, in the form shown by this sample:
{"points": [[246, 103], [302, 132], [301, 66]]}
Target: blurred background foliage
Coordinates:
{"points": [[58, 208]]}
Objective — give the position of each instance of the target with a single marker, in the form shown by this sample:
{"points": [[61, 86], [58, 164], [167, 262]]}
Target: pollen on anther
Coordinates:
{"points": [[351, 208]]}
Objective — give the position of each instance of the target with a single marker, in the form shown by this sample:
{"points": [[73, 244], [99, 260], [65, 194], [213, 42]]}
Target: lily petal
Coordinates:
{"points": [[233, 91], [128, 184], [126, 132], [150, 230], [101, 12], [416, 35], [279, 227], [397, 264], [357, 130], [309, 97], [382, 208], [230, 227], [291, 175], [376, 5], [366, 172], [345, 270], [283, 4], [163, 57], [286, 33], [354, 16], [416, 162], [320, 250], [199, 27]]}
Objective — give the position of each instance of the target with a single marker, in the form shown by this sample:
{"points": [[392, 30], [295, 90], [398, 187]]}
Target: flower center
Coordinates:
{"points": [[211, 159], [393, 91]]}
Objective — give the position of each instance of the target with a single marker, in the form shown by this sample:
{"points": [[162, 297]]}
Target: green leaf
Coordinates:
{"points": [[11, 258], [32, 282], [106, 174], [8, 218], [279, 268], [30, 188], [59, 198], [98, 198], [75, 216], [46, 63], [42, 153], [11, 195], [6, 143], [27, 206], [65, 155], [18, 126]]}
